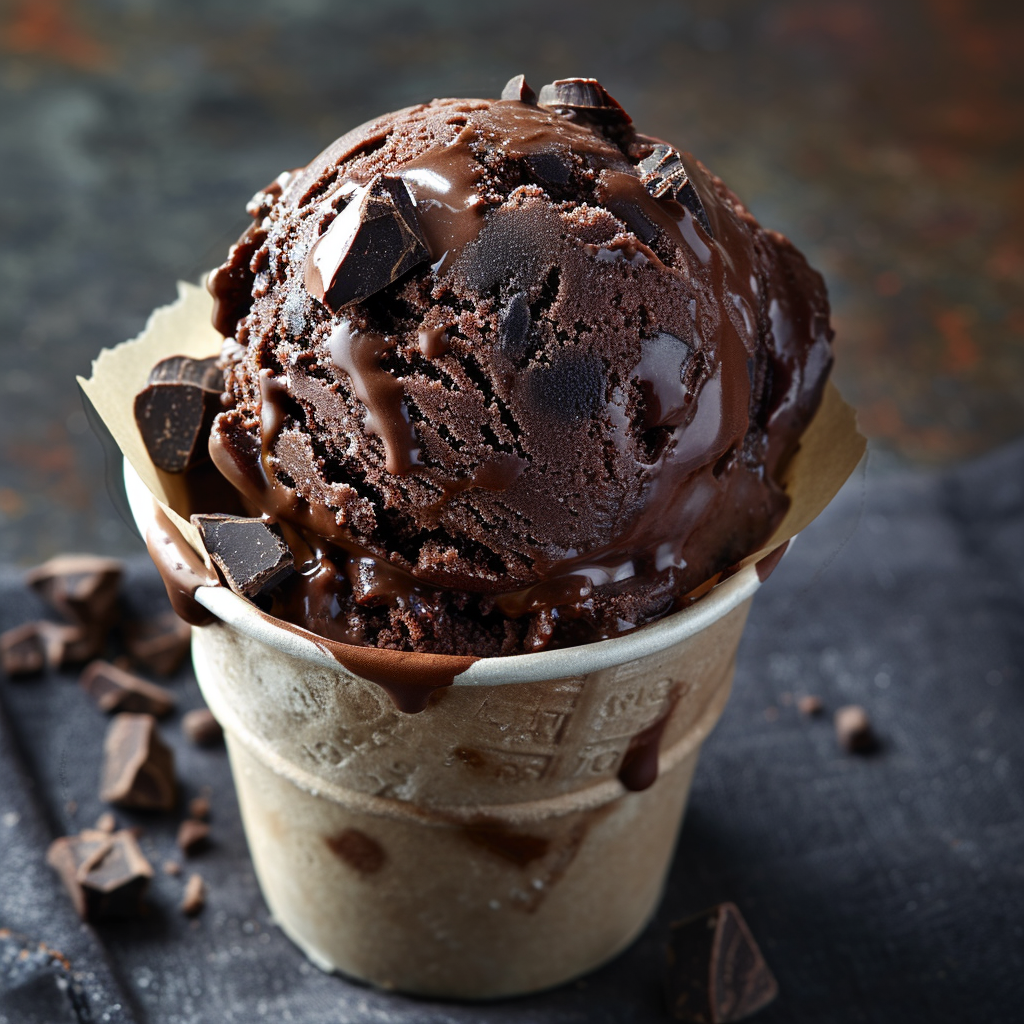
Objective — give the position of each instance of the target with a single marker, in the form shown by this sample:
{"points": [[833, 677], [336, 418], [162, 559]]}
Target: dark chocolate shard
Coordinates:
{"points": [[370, 244], [583, 96], [249, 552], [175, 411], [71, 645], [201, 728], [105, 874], [192, 836], [138, 767], [517, 89], [81, 588], [23, 650], [715, 970], [854, 731], [194, 898], [158, 645], [664, 176], [113, 689]]}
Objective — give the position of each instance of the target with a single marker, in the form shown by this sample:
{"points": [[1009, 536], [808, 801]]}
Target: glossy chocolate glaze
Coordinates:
{"points": [[181, 569], [573, 413]]}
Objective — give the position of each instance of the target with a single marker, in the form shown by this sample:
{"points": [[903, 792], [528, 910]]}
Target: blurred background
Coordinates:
{"points": [[885, 138]]}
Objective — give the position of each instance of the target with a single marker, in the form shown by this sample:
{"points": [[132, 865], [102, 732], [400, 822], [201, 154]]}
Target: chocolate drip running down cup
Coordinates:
{"points": [[504, 381]]}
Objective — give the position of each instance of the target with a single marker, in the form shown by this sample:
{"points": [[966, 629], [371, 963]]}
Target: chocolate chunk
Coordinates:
{"points": [[195, 895], [664, 176], [517, 89], [583, 96], [199, 808], [23, 650], [571, 390], [249, 552], [853, 730], [105, 875], [370, 244], [201, 727], [175, 411], [810, 705], [138, 767], [72, 645], [192, 836], [113, 689], [171, 867], [716, 973], [81, 588], [159, 645], [106, 822]]}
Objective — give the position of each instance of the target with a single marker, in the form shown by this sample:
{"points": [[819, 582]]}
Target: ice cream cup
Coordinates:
{"points": [[513, 835]]}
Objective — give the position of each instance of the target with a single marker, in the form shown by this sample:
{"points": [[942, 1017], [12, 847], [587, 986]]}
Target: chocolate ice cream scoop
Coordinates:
{"points": [[509, 374]]}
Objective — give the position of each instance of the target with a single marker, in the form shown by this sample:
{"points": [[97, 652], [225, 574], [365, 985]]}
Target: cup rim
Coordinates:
{"points": [[235, 611]]}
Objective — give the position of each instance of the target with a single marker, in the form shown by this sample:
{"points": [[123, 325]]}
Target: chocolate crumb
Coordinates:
{"points": [[199, 808], [106, 822], [195, 895], [201, 727], [172, 868], [810, 705], [22, 650], [192, 836], [138, 767], [853, 730], [249, 552], [113, 689], [715, 971]]}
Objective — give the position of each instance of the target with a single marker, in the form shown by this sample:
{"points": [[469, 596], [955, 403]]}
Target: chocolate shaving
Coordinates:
{"points": [[105, 874], [175, 411], [715, 970], [159, 645], [23, 650], [201, 728], [517, 89], [113, 689], [664, 176], [249, 552], [138, 767], [584, 96], [370, 244]]}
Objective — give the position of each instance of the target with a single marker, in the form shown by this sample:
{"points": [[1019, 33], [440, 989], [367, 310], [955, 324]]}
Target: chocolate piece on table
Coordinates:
{"points": [[113, 689], [663, 175], [71, 645], [171, 867], [199, 808], [106, 822], [22, 650], [105, 874], [810, 705], [159, 645], [853, 730], [192, 836], [195, 895], [583, 96], [517, 89], [81, 588], [201, 727], [138, 767], [250, 553], [370, 244], [716, 972]]}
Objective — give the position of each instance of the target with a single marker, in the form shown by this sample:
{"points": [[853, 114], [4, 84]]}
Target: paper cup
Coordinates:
{"points": [[486, 846]]}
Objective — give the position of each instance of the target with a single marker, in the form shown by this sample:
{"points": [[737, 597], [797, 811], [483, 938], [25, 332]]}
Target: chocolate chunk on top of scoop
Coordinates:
{"points": [[105, 875], [664, 176], [715, 971], [517, 89], [113, 689], [175, 411], [373, 241], [583, 96], [249, 552], [138, 767]]}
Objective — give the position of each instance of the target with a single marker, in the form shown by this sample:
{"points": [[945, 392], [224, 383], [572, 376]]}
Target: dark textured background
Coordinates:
{"points": [[885, 139]]}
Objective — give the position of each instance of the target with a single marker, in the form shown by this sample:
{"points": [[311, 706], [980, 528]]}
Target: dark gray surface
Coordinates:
{"points": [[887, 888]]}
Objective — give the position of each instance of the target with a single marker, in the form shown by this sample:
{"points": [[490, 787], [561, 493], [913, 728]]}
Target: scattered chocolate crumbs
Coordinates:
{"points": [[138, 767], [192, 836], [195, 895], [249, 552], [113, 689], [854, 731], [105, 874], [201, 727], [715, 971], [22, 650]]}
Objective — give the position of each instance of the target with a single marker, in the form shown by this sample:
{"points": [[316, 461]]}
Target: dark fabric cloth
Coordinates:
{"points": [[886, 887]]}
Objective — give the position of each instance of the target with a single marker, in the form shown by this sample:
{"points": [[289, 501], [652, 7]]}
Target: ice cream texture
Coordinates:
{"points": [[510, 375]]}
